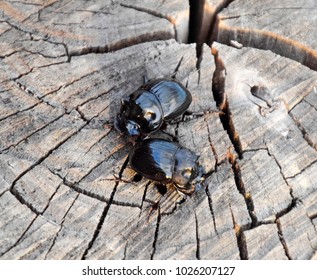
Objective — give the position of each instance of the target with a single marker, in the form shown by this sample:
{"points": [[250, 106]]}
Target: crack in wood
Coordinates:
{"points": [[61, 224], [274, 42], [156, 233], [153, 13], [32, 166], [289, 208], [91, 99], [20, 238], [173, 76], [240, 187], [303, 131], [240, 237], [105, 212], [218, 89], [32, 133], [144, 197], [303, 170], [211, 210], [294, 199], [213, 149], [282, 240], [227, 123], [124, 43], [202, 20], [20, 111], [197, 238]]}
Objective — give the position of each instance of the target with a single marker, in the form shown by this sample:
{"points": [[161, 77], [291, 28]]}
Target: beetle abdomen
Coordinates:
{"points": [[173, 96], [154, 103], [154, 159]]}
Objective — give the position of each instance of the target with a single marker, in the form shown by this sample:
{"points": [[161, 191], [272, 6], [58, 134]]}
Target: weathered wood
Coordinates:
{"points": [[275, 146], [66, 189], [285, 27]]}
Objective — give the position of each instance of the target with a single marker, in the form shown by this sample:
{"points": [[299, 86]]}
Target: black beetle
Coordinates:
{"points": [[167, 162], [156, 102]]}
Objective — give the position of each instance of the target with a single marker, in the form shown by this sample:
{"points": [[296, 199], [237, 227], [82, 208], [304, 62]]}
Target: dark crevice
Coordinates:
{"points": [[176, 205], [144, 196], [30, 92], [153, 13], [36, 163], [282, 240], [218, 89], [227, 122], [312, 217], [242, 245], [202, 20], [266, 40], [31, 134], [124, 43], [81, 114], [61, 225], [213, 149], [99, 226], [303, 131], [20, 238], [240, 186], [213, 25], [211, 209], [289, 208], [105, 212], [294, 199], [303, 170], [20, 111], [74, 186], [197, 238], [125, 250], [156, 233], [241, 240], [177, 68]]}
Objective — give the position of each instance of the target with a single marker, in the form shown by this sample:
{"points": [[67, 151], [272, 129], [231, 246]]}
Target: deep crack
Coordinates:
{"points": [[105, 212]]}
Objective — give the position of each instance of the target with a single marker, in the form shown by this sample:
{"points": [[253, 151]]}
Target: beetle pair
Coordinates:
{"points": [[145, 111]]}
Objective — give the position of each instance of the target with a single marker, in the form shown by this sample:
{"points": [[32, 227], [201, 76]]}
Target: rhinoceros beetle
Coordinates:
{"points": [[149, 107], [165, 161]]}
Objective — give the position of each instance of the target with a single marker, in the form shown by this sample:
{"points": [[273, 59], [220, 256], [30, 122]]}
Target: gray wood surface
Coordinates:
{"points": [[65, 65]]}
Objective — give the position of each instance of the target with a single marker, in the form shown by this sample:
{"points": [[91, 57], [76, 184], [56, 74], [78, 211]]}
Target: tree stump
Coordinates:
{"points": [[67, 191]]}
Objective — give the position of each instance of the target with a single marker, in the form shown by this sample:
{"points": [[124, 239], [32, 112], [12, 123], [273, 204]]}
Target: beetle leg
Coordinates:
{"points": [[176, 120], [182, 193]]}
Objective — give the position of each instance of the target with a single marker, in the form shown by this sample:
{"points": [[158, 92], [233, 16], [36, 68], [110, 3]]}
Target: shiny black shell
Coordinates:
{"points": [[167, 162], [154, 103]]}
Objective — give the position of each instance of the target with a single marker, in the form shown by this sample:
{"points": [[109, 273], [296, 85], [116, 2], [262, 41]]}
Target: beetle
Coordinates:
{"points": [[149, 107], [165, 161]]}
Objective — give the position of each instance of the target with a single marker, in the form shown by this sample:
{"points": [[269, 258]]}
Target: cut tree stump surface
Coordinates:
{"points": [[66, 188]]}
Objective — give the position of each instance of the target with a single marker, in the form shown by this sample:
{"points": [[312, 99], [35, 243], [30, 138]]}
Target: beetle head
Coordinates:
{"points": [[127, 127], [188, 174], [124, 122], [140, 114]]}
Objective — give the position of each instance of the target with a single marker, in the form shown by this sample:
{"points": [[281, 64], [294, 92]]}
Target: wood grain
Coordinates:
{"points": [[66, 188]]}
